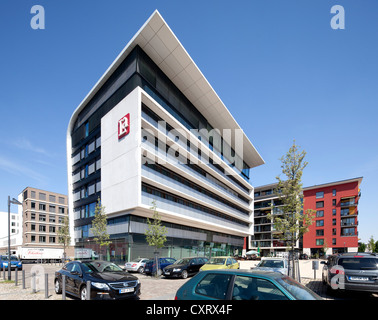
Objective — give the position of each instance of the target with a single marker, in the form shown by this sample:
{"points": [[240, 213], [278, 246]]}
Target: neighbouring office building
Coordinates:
{"points": [[335, 225], [153, 130], [335, 228], [265, 237], [34, 229]]}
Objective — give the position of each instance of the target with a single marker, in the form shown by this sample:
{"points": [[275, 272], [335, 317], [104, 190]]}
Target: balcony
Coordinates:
{"points": [[350, 203]]}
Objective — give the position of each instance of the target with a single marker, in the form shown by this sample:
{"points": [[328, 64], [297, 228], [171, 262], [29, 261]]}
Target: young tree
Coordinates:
{"points": [[99, 224], [156, 233], [292, 223], [64, 235], [371, 244]]}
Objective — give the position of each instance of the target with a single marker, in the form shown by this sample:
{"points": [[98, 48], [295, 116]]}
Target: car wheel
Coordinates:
{"points": [[58, 287], [140, 269], [184, 274], [83, 293]]}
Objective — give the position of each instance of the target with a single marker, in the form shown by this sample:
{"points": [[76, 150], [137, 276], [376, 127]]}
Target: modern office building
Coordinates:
{"points": [[153, 129], [265, 237], [336, 222]]}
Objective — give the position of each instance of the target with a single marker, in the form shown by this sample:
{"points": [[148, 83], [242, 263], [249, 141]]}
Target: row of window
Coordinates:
{"points": [[43, 207], [170, 197], [345, 203], [85, 211], [87, 190], [43, 217], [41, 239], [343, 222], [42, 228], [87, 170], [86, 150], [320, 194], [174, 176], [42, 196], [343, 212]]}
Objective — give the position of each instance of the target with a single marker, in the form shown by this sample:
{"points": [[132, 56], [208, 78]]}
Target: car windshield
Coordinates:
{"points": [[217, 261], [353, 263], [297, 290], [100, 266], [182, 261], [13, 258], [271, 264]]}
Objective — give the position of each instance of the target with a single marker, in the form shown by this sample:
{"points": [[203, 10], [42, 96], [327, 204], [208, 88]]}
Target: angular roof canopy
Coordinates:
{"points": [[162, 46]]}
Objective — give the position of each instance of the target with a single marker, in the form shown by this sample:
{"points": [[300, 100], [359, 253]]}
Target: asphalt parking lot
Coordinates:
{"points": [[152, 289]]}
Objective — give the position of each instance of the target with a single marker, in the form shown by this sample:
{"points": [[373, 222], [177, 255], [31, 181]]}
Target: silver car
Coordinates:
{"points": [[273, 264], [137, 265]]}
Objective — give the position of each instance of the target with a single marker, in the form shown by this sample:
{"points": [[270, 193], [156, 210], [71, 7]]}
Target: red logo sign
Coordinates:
{"points": [[124, 126]]}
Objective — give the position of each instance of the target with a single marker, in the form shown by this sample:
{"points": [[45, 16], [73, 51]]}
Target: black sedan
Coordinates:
{"points": [[108, 281], [184, 267]]}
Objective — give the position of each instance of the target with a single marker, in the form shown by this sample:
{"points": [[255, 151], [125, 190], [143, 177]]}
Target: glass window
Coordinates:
{"points": [[214, 285], [320, 204], [320, 195], [334, 192], [320, 232], [320, 213], [319, 242], [250, 288], [320, 223]]}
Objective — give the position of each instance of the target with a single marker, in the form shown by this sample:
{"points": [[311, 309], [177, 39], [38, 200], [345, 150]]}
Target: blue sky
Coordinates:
{"points": [[278, 66]]}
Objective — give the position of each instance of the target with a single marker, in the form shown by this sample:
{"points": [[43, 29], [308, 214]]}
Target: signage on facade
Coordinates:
{"points": [[124, 126]]}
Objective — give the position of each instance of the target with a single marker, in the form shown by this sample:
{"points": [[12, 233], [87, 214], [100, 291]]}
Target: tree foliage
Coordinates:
{"points": [[156, 232], [99, 225], [292, 222], [64, 235]]}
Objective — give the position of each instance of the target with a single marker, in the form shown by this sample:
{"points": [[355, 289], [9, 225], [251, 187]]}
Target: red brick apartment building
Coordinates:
{"points": [[336, 221]]}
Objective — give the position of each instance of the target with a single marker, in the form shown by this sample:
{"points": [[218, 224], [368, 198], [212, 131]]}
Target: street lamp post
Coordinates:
{"points": [[13, 201]]}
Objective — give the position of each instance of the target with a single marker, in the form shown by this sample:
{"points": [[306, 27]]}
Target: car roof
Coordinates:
{"points": [[356, 254], [273, 258], [263, 273]]}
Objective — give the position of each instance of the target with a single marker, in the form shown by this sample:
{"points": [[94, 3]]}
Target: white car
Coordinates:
{"points": [[273, 264], [137, 265]]}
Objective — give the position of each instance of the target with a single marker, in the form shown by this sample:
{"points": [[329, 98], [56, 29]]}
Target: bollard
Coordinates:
{"points": [[16, 277], [23, 279], [33, 284], [46, 286], [63, 287], [3, 272], [88, 297]]}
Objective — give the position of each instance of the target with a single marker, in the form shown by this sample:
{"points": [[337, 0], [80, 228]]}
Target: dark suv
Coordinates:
{"points": [[352, 271]]}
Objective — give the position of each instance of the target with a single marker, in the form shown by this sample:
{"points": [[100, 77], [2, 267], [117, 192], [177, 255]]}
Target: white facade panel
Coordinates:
{"points": [[120, 158]]}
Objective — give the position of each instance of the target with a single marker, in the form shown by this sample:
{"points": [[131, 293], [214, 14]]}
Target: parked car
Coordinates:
{"points": [[354, 271], [304, 256], [15, 262], [184, 267], [273, 264], [226, 284], [220, 263], [150, 267], [137, 265], [108, 281]]}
